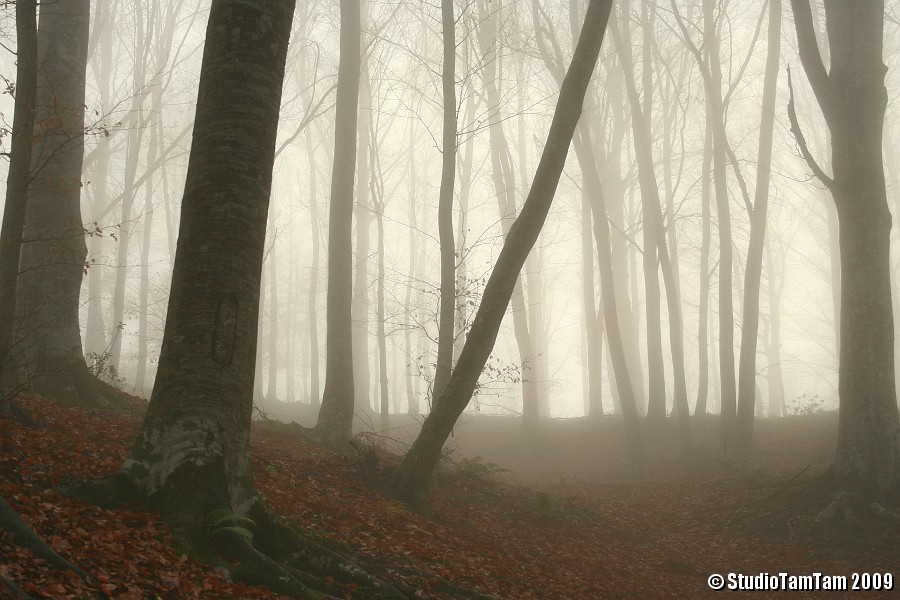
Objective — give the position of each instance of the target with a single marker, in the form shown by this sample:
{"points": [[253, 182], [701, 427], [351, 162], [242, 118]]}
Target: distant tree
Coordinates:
{"points": [[853, 99], [17, 179], [335, 423], [412, 478], [445, 203]]}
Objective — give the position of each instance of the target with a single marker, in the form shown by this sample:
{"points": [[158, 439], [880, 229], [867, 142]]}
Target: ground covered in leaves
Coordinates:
{"points": [[546, 518]]}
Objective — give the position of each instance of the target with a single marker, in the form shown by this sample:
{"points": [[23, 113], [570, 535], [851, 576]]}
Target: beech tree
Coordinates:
{"points": [[853, 98], [335, 423], [53, 240], [191, 458], [411, 479], [17, 180]]}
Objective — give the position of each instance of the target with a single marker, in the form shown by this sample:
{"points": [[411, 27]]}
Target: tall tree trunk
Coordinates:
{"points": [[192, 453], [384, 395], [505, 191], [312, 301], [17, 180], [650, 205], [445, 203], [363, 211], [95, 342], [130, 189], [272, 378], [774, 377], [853, 98], [335, 423], [140, 380], [54, 250], [412, 379], [753, 270], [412, 478], [700, 408]]}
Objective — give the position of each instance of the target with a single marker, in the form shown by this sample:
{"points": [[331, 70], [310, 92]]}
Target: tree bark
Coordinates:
{"points": [[192, 453], [747, 389], [853, 98], [445, 205], [335, 423], [53, 250], [17, 180], [412, 477]]}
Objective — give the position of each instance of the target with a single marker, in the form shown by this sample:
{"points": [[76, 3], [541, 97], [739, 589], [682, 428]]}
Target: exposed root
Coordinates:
{"points": [[27, 538], [13, 589], [854, 511], [10, 410]]}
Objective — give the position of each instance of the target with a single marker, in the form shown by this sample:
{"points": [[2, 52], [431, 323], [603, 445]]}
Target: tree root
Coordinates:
{"points": [[293, 563], [27, 538], [854, 511], [15, 590]]}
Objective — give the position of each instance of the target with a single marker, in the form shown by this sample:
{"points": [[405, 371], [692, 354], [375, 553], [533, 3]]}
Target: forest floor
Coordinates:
{"points": [[512, 517]]}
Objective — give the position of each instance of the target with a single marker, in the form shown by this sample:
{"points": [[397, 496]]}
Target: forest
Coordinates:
{"points": [[453, 299]]}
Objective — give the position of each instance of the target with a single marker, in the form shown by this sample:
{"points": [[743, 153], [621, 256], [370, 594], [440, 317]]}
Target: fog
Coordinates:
{"points": [[141, 84]]}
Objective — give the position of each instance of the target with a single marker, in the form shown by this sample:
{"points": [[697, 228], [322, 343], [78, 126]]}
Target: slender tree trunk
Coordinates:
{"points": [[335, 422], [411, 479], [650, 205], [753, 270], [140, 380], [95, 342], [774, 377], [384, 395], [313, 297], [445, 203], [272, 379], [130, 189], [363, 212], [700, 408], [505, 191], [412, 398]]}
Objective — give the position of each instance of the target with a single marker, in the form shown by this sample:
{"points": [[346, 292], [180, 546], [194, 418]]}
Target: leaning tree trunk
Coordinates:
{"points": [[53, 250], [335, 423], [411, 479], [17, 180], [853, 99], [192, 453], [747, 387]]}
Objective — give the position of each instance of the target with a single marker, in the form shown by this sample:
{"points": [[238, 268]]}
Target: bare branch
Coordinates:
{"points": [[801, 141]]}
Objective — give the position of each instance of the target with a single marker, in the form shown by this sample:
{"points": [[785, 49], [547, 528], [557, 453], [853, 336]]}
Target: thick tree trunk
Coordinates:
{"points": [[54, 251], [17, 180], [853, 99], [192, 453], [335, 423], [412, 477]]}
